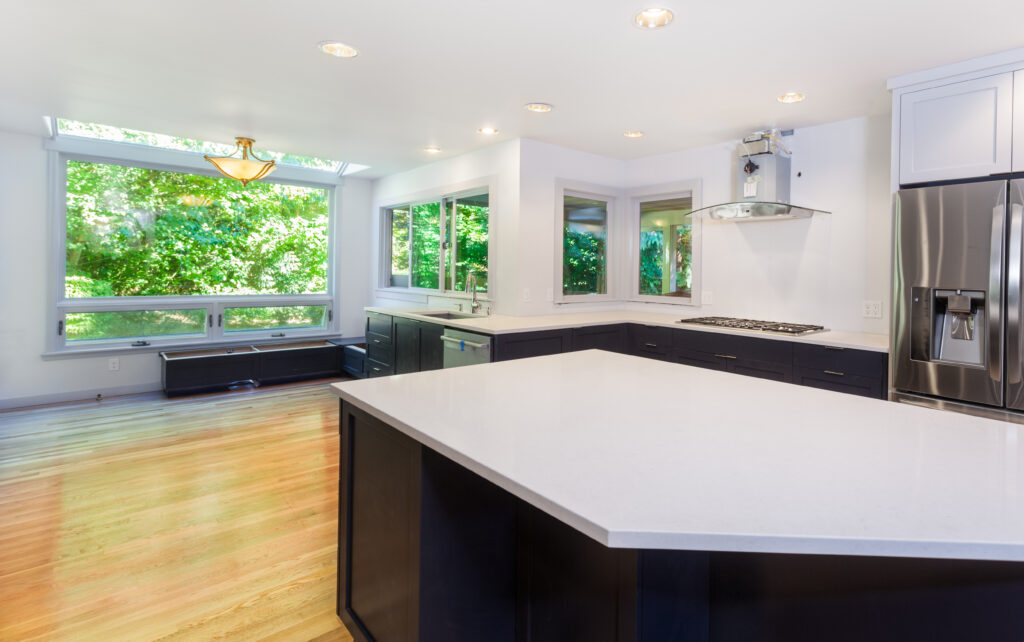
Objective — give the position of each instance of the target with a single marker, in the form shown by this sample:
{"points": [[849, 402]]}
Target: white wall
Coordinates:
{"points": [[26, 306], [816, 271]]}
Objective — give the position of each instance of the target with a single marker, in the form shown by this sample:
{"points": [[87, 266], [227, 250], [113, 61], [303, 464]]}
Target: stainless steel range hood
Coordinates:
{"points": [[762, 184]]}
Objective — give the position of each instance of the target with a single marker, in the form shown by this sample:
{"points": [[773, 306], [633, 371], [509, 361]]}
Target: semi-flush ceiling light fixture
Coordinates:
{"points": [[632, 133], [791, 97], [432, 150], [339, 49], [487, 131], [540, 108], [653, 18], [247, 168]]}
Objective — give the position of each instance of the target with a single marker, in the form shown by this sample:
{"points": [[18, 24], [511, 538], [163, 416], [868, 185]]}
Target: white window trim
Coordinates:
{"points": [[691, 188], [454, 190], [612, 262], [64, 148]]}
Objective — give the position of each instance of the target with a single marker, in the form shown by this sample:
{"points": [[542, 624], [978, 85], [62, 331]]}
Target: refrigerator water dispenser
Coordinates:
{"points": [[958, 320]]}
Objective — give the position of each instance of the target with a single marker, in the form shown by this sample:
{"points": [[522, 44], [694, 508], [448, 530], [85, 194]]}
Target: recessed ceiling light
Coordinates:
{"points": [[631, 133], [653, 17], [432, 150], [791, 97], [487, 131], [339, 49], [540, 108]]}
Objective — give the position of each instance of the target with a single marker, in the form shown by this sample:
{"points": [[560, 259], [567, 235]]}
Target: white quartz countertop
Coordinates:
{"points": [[501, 324], [638, 453]]}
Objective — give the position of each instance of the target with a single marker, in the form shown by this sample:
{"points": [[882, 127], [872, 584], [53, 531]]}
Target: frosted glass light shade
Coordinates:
{"points": [[245, 169]]}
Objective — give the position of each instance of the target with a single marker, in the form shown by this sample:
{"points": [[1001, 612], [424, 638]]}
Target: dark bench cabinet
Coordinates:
{"points": [[193, 371], [405, 345]]}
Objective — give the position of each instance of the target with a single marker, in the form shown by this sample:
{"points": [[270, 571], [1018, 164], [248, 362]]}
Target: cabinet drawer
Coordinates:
{"points": [[650, 341], [835, 359], [695, 343], [611, 338], [849, 383], [378, 369], [381, 353], [379, 328]]}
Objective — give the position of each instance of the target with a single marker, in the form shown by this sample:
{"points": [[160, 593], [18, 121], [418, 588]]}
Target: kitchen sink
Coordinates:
{"points": [[450, 315]]}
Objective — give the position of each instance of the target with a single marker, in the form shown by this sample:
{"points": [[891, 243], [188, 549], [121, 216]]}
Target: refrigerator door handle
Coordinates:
{"points": [[1013, 294], [994, 307]]}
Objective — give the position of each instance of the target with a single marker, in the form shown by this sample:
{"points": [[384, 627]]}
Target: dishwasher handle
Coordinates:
{"points": [[463, 343]]}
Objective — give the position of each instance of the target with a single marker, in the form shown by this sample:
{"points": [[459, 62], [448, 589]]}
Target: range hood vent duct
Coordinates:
{"points": [[762, 184]]}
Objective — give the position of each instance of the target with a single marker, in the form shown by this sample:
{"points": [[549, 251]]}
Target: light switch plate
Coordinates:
{"points": [[872, 309]]}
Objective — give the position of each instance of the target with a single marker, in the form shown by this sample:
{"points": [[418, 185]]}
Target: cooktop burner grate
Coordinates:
{"points": [[754, 325]]}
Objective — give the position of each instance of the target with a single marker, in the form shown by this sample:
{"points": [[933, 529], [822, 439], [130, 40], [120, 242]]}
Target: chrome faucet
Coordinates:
{"points": [[471, 287]]}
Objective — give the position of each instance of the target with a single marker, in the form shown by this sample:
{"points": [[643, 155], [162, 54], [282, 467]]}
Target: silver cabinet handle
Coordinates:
{"points": [[471, 344], [376, 340], [651, 345], [725, 356], [834, 373], [836, 348]]}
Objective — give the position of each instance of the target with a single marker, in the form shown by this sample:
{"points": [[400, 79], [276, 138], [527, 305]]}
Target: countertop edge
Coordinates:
{"points": [[826, 338]]}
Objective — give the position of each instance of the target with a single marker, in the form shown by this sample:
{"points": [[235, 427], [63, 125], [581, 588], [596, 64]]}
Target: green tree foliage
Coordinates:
{"points": [[583, 268], [142, 232], [471, 234], [652, 247]]}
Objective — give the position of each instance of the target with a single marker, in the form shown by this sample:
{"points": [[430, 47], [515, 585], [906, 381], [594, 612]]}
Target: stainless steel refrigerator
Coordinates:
{"points": [[957, 310]]}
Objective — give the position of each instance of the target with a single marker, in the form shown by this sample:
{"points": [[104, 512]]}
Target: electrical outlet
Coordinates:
{"points": [[872, 309], [113, 364], [707, 297]]}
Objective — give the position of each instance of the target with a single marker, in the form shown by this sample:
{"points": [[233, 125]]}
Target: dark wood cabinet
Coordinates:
{"points": [[650, 341], [431, 347], [407, 345], [531, 344], [601, 337], [751, 356], [380, 344], [858, 372], [418, 346], [379, 327]]}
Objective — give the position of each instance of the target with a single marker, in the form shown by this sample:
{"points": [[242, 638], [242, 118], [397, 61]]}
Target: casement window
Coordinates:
{"points": [[667, 244], [435, 245], [585, 227], [154, 247]]}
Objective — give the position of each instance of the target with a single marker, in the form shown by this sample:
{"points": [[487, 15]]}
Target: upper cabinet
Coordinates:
{"points": [[1018, 121], [961, 130]]}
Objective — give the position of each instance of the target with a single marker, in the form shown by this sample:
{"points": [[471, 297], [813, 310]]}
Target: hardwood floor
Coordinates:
{"points": [[143, 518]]}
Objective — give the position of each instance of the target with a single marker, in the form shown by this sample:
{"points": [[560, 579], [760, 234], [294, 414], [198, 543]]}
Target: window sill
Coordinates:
{"points": [[111, 351], [433, 293], [664, 300]]}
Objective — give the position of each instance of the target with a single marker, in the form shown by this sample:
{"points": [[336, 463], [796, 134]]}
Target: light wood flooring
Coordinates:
{"points": [[143, 518]]}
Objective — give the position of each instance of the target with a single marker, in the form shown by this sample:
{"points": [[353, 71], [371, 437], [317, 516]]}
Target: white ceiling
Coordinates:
{"points": [[431, 72]]}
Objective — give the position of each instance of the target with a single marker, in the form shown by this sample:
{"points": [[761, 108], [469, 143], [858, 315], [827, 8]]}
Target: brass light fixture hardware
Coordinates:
{"points": [[245, 169]]}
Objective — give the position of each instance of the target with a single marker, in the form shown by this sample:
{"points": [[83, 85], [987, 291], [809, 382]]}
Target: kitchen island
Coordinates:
{"points": [[597, 496]]}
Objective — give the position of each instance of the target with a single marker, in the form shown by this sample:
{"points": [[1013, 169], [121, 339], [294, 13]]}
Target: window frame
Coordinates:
{"points": [[442, 196], [678, 189], [61, 149], [613, 198]]}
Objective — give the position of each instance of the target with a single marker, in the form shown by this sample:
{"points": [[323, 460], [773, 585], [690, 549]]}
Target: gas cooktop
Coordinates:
{"points": [[776, 327]]}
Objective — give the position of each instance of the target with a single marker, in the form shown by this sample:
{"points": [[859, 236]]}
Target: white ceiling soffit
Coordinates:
{"points": [[431, 73]]}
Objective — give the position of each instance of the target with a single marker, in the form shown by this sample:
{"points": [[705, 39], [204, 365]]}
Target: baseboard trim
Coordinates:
{"points": [[77, 395]]}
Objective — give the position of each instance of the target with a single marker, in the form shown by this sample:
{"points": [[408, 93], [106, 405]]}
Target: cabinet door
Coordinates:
{"points": [[531, 344], [378, 328], [407, 346], [837, 381], [431, 347], [961, 130], [602, 337], [1018, 121], [650, 341]]}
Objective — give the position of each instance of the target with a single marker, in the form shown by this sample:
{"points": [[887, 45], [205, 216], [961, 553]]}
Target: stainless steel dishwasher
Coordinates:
{"points": [[465, 348]]}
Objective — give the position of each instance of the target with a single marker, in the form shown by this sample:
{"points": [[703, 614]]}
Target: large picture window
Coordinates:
{"points": [[436, 245], [157, 254]]}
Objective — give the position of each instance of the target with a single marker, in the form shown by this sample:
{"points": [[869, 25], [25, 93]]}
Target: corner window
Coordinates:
{"points": [[583, 259], [160, 255], [440, 245], [667, 247]]}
